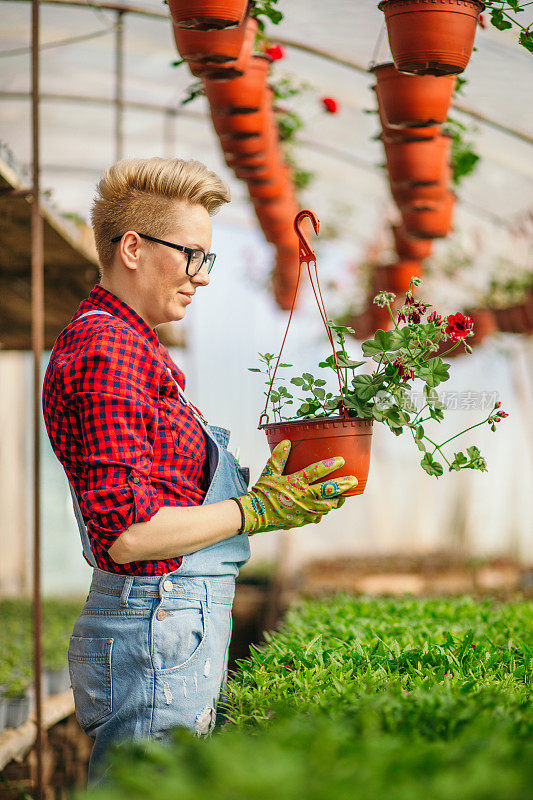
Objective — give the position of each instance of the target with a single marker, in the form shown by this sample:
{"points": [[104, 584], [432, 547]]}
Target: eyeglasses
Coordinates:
{"points": [[196, 258]]}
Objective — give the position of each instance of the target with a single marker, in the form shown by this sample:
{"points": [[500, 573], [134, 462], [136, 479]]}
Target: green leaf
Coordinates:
{"points": [[434, 372], [379, 344], [339, 328], [253, 369], [342, 361], [308, 377], [419, 433], [285, 365], [431, 466], [526, 40], [498, 20], [297, 381], [366, 386]]}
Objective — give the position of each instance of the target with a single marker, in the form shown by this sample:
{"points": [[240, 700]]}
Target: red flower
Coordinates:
{"points": [[498, 404], [275, 52], [330, 105], [502, 414], [458, 326], [436, 318], [481, 21], [405, 373]]}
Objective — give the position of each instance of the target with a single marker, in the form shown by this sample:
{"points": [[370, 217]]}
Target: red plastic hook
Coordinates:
{"points": [[306, 252]]}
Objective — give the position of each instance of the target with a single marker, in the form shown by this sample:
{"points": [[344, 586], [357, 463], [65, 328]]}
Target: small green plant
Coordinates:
{"points": [[464, 158], [403, 355], [265, 10], [503, 17]]}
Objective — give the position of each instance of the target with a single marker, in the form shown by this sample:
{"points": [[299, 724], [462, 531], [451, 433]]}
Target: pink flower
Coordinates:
{"points": [[405, 373], [330, 105], [502, 414], [481, 21], [275, 52]]}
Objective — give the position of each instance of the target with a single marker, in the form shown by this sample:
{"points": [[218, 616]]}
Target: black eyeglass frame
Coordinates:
{"points": [[210, 257]]}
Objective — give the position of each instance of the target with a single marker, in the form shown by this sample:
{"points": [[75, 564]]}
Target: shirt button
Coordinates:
{"points": [[168, 586], [135, 480], [161, 614]]}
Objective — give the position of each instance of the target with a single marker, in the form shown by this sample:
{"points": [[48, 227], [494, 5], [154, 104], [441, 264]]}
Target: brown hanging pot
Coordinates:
{"points": [[484, 324], [418, 161], [410, 246], [242, 95], [431, 37], [207, 15], [430, 220], [411, 101], [326, 437], [244, 124]]}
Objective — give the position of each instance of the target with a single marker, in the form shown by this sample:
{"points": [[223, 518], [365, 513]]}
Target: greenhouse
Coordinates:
{"points": [[277, 543]]}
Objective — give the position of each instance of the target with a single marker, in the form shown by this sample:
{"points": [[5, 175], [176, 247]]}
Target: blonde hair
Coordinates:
{"points": [[140, 194]]}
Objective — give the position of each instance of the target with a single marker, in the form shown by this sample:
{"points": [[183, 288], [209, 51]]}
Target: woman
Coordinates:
{"points": [[163, 507]]}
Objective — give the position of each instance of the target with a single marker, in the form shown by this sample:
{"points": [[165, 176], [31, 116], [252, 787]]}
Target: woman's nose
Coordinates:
{"points": [[201, 277]]}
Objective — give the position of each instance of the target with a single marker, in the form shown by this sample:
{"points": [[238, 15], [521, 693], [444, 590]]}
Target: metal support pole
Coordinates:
{"points": [[119, 86], [37, 336]]}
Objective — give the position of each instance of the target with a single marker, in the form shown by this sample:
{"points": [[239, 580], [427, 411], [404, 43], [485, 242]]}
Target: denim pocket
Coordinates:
{"points": [[89, 660], [179, 633]]}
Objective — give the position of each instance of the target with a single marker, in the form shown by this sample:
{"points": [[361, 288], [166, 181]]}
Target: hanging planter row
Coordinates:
{"points": [[217, 41], [412, 109]]}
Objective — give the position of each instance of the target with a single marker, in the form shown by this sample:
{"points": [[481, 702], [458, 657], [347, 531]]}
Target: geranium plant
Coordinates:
{"points": [[397, 359]]}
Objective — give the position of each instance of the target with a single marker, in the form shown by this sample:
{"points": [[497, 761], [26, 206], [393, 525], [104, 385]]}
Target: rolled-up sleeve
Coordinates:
{"points": [[114, 396]]}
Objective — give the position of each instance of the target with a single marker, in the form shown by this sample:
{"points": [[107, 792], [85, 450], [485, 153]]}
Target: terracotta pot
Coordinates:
{"points": [[281, 212], [247, 145], [514, 319], [409, 246], [431, 38], [429, 220], [215, 69], [484, 324], [244, 124], [241, 95], [207, 14], [419, 161], [276, 189], [411, 101], [406, 194], [392, 135], [287, 241], [236, 161], [318, 439], [395, 277], [284, 286]]}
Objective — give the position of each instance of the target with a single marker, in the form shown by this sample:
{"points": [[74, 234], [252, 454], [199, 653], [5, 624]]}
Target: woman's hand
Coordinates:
{"points": [[289, 501]]}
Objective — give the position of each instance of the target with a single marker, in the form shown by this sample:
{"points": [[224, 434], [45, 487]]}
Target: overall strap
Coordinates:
{"points": [[183, 397]]}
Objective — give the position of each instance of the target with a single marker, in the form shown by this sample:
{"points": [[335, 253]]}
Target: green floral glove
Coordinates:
{"points": [[288, 501]]}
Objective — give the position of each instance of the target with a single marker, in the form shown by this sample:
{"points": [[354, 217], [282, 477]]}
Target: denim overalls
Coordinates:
{"points": [[149, 653]]}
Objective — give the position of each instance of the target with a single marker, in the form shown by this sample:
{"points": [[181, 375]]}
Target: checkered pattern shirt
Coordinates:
{"points": [[116, 423]]}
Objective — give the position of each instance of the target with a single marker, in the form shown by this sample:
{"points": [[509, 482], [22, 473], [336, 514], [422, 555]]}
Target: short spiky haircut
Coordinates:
{"points": [[140, 194]]}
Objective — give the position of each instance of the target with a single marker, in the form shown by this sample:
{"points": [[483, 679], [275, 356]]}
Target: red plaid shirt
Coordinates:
{"points": [[116, 422]]}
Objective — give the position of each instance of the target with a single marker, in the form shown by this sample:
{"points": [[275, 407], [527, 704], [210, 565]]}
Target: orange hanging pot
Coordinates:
{"points": [[244, 124], [409, 246], [405, 193], [321, 438], [418, 161], [230, 67], [241, 95], [276, 189], [431, 38], [410, 101], [275, 213], [430, 220], [207, 15], [395, 277]]}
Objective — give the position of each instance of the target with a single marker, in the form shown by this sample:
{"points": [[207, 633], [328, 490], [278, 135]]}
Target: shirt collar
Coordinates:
{"points": [[108, 301]]}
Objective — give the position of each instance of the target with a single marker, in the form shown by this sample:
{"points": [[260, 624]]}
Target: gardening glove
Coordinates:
{"points": [[288, 501]]}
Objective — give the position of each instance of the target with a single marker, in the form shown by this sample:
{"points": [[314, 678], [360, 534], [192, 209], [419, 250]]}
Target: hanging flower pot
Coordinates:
{"points": [[319, 439], [484, 324], [395, 277], [418, 161], [409, 246], [411, 101], [244, 124], [431, 38], [206, 15], [241, 95], [221, 64], [234, 160], [284, 286], [246, 144], [282, 211], [429, 220], [405, 193], [277, 188], [514, 319]]}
